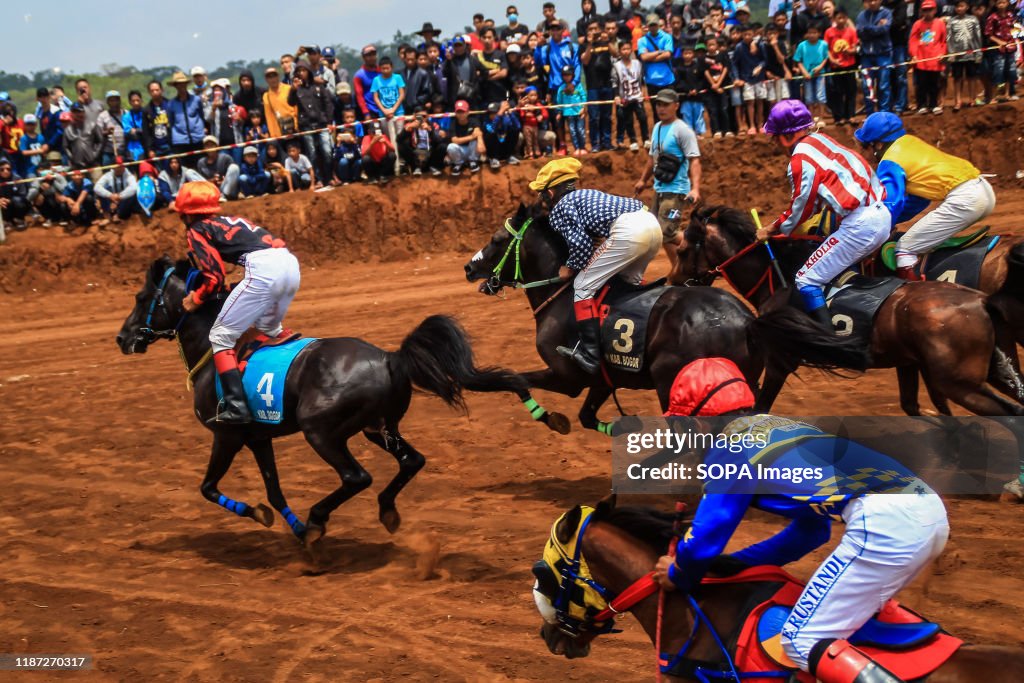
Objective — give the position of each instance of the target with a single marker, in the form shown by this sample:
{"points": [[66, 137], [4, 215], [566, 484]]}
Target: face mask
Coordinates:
{"points": [[513, 18]]}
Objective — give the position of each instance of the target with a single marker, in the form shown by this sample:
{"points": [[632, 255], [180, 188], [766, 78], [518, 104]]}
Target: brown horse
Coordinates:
{"points": [[622, 545], [954, 336]]}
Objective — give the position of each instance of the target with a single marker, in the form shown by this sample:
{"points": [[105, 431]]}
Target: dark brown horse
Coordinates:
{"points": [[335, 389], [686, 323], [952, 335], [622, 545]]}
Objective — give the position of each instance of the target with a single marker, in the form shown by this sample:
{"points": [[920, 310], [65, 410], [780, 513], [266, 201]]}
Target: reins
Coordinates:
{"points": [[495, 283], [153, 335]]}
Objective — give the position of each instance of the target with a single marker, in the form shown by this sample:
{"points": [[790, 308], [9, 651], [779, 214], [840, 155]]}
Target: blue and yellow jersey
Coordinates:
{"points": [[915, 173], [792, 469]]}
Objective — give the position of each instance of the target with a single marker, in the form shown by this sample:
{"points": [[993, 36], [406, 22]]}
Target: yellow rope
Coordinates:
{"points": [[199, 366]]}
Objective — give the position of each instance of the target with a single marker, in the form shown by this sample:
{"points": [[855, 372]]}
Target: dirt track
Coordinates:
{"points": [[110, 550]]}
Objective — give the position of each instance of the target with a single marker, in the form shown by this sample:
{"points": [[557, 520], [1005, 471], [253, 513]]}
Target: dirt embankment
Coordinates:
{"points": [[426, 215]]}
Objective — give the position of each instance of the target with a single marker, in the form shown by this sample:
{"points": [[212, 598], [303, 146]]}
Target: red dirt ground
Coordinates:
{"points": [[110, 550]]}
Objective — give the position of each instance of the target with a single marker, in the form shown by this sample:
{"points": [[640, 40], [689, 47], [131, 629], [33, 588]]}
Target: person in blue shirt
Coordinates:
{"points": [[895, 524], [48, 114], [185, 119], [134, 124], [79, 199], [388, 90], [655, 50], [559, 53], [33, 147], [811, 57], [873, 31], [253, 179]]}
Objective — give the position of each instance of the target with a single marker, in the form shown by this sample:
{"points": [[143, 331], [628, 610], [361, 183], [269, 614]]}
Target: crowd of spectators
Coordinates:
{"points": [[495, 95]]}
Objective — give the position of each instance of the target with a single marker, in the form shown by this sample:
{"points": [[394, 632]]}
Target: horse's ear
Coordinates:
{"points": [[521, 211], [605, 507], [567, 527], [160, 267]]}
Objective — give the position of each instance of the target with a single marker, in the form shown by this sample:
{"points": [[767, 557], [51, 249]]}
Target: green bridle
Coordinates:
{"points": [[496, 283]]}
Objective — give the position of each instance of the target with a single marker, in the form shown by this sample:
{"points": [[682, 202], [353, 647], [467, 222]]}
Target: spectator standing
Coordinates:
{"points": [[573, 103], [112, 127], [776, 60], [48, 115], [156, 122], [842, 58], [282, 117], [221, 119], [133, 123], [60, 99], [690, 81], [91, 107], [463, 73], [655, 51], [749, 62], [515, 32], [83, 141], [873, 26], [32, 146], [200, 86], [330, 58], [811, 16], [249, 97], [501, 134], [363, 81], [79, 198], [116, 191], [287, 68], [899, 35], [532, 115], [316, 111], [429, 35], [219, 168], [323, 75], [628, 84], [378, 155], [621, 15], [494, 64], [419, 84], [717, 67], [675, 167], [466, 141], [559, 53], [597, 65], [388, 92], [963, 34], [550, 15], [439, 84], [927, 48], [811, 56], [185, 116], [1002, 58]]}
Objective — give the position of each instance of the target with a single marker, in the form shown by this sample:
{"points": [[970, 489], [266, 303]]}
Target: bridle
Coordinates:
{"points": [[495, 283], [149, 335]]}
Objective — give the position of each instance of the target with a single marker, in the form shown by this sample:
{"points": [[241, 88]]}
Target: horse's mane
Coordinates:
{"points": [[734, 223], [160, 266]]}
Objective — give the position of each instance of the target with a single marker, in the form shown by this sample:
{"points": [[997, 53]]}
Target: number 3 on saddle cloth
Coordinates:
{"points": [[897, 638], [624, 310], [264, 363]]}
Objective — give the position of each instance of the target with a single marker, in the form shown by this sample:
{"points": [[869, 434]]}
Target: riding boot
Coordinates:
{"points": [[233, 408], [587, 352], [908, 273], [822, 317], [836, 661], [814, 304]]}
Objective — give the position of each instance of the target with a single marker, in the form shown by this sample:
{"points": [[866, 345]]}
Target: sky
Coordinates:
{"points": [[78, 36]]}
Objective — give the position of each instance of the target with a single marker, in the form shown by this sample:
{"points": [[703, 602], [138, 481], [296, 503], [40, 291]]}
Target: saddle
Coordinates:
{"points": [[897, 638], [854, 300], [958, 259], [624, 310], [252, 340]]}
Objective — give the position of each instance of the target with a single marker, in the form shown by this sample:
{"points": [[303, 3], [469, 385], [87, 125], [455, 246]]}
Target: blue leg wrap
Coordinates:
{"points": [[236, 506], [298, 528], [813, 297]]}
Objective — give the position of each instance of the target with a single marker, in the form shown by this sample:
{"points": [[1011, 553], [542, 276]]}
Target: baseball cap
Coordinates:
{"points": [[198, 71], [30, 118], [462, 105], [652, 19], [222, 82], [742, 10], [343, 88], [271, 70], [112, 93], [493, 108], [328, 52], [667, 96], [210, 138], [700, 46], [5, 96], [249, 149], [568, 70], [314, 49], [928, 4], [513, 49]]}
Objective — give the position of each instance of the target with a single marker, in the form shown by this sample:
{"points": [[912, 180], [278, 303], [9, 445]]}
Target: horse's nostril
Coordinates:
{"points": [[468, 268], [120, 340]]}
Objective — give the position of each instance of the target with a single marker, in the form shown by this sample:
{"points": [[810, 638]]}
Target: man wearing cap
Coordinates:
{"points": [[825, 174], [674, 139], [185, 117], [560, 52], [607, 236], [330, 57], [363, 81], [110, 125], [466, 141], [655, 51], [281, 118], [200, 87], [463, 73], [260, 300], [915, 174], [219, 168], [322, 73], [116, 191], [82, 139]]}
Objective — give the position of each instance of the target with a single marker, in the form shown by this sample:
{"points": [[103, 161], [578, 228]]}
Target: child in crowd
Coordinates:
{"points": [[388, 90], [980, 11], [1002, 64], [575, 97], [253, 178], [628, 86], [280, 178], [841, 39], [963, 34], [80, 199], [748, 62], [348, 162], [690, 82], [811, 57], [301, 170], [532, 114], [716, 72], [32, 147], [378, 154], [927, 47], [256, 131]]}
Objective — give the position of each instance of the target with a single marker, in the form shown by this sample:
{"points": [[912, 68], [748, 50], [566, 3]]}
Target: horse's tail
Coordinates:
{"points": [[790, 339], [438, 358], [1015, 271]]}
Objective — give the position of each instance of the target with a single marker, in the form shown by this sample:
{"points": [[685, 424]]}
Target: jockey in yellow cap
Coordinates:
{"points": [[607, 235]]}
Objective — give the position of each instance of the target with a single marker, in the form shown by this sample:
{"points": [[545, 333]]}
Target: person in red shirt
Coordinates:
{"points": [[378, 155], [999, 34], [927, 46], [260, 300], [841, 37]]}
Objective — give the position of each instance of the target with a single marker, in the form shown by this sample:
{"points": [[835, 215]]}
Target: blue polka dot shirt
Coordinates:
{"points": [[585, 215]]}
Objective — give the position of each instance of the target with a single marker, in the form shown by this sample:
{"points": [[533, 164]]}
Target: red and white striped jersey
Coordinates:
{"points": [[822, 171]]}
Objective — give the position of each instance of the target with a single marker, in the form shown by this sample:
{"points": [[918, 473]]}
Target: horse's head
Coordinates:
{"points": [[157, 308], [524, 248], [715, 234]]}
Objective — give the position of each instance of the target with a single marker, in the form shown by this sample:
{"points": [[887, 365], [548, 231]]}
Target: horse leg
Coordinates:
{"points": [[549, 380], [774, 380], [332, 447], [225, 448], [410, 461], [907, 375], [596, 397], [263, 450]]}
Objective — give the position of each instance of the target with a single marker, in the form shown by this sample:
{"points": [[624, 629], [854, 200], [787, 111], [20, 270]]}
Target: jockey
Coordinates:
{"points": [[262, 298], [915, 173], [826, 174], [607, 235], [888, 539]]}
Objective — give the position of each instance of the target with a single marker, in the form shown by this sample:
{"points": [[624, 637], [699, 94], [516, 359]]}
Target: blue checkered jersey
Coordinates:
{"points": [[794, 470], [585, 215]]}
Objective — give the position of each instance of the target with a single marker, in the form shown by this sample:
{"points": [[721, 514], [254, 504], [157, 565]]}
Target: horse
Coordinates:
{"points": [[954, 336], [335, 388], [620, 548], [685, 324]]}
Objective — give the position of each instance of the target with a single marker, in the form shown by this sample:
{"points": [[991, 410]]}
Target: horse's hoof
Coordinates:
{"points": [[1013, 492], [559, 423], [391, 520], [314, 532], [264, 515]]}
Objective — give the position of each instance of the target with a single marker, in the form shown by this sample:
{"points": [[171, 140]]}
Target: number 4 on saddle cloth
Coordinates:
{"points": [[264, 363], [897, 638], [624, 311]]}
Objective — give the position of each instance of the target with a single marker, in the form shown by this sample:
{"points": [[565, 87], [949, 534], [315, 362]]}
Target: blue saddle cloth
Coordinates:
{"points": [[874, 633], [264, 379]]}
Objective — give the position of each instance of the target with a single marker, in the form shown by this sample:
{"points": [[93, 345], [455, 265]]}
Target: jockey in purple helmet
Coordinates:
{"points": [[825, 174]]}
